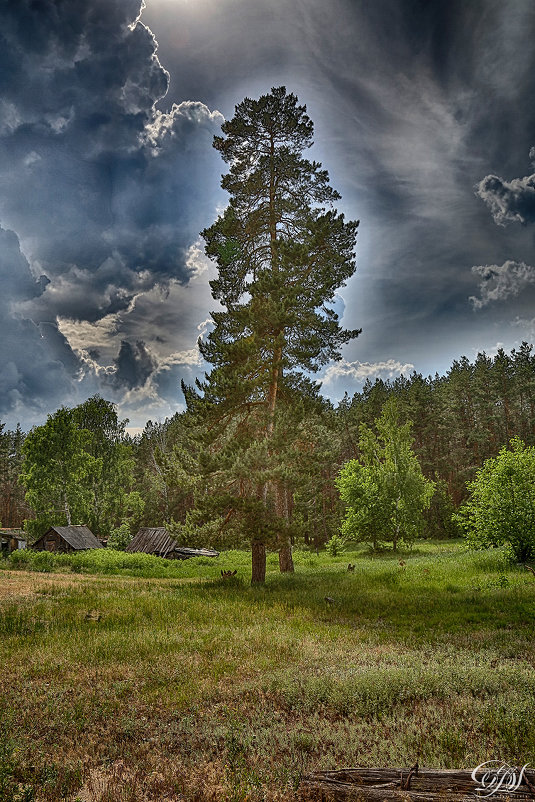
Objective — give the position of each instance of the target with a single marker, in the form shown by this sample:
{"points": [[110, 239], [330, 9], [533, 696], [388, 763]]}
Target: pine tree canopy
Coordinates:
{"points": [[282, 251]]}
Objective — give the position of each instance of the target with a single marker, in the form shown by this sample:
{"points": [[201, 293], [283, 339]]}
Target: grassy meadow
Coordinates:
{"points": [[128, 681]]}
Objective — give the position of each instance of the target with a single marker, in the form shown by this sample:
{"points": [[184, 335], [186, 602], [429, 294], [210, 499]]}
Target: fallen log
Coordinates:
{"points": [[414, 785]]}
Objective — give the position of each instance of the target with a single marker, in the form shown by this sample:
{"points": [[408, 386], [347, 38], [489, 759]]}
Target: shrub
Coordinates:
{"points": [[336, 545], [120, 537], [501, 507], [95, 561]]}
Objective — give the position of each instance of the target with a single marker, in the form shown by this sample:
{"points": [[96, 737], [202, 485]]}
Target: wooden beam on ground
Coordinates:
{"points": [[390, 785]]}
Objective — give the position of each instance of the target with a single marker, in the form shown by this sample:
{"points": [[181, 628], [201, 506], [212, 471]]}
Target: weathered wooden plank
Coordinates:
{"points": [[404, 785]]}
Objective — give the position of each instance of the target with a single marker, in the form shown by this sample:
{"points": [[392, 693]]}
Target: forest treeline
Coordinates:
{"points": [[458, 421]]}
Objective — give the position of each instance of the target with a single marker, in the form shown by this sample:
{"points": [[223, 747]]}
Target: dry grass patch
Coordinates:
{"points": [[17, 584]]}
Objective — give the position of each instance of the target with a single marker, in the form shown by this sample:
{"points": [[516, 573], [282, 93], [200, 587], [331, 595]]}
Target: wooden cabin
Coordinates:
{"points": [[158, 541], [67, 539], [12, 540]]}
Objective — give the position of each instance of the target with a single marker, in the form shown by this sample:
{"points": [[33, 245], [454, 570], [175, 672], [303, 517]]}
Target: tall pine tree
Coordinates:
{"points": [[282, 251]]}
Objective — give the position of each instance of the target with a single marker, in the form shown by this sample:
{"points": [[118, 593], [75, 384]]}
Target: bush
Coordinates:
{"points": [[120, 537], [95, 561], [501, 507], [336, 545]]}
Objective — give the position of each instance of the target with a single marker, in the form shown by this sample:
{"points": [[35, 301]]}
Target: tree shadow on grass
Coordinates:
{"points": [[396, 602]]}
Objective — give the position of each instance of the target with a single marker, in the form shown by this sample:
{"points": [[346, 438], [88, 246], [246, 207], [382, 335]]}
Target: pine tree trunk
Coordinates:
{"points": [[273, 389], [286, 563], [258, 562]]}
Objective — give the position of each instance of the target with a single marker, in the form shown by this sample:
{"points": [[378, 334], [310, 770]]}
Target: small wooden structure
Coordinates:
{"points": [[67, 539], [157, 540], [408, 785], [12, 540]]}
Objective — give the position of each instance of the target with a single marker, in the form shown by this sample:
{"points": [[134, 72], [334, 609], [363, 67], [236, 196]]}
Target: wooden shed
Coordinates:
{"points": [[67, 539], [12, 540], [158, 541]]}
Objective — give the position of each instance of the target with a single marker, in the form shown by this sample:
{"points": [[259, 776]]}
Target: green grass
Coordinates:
{"points": [[166, 682]]}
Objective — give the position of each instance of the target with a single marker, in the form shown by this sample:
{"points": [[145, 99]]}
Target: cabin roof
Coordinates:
{"points": [[153, 540], [16, 534], [79, 537], [157, 540]]}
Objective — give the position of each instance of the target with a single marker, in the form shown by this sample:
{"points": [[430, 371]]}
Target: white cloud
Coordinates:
{"points": [[31, 158], [360, 371], [166, 126], [84, 335], [204, 327], [196, 260], [189, 357], [501, 281], [489, 350]]}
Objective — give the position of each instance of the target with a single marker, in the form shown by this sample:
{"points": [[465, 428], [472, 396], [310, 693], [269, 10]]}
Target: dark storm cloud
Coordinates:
{"points": [[509, 201], [93, 183], [104, 193], [134, 365], [16, 279], [35, 365]]}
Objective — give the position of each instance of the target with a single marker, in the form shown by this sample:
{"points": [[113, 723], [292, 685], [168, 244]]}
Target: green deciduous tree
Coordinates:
{"points": [[56, 472], [282, 251], [384, 489], [78, 468], [501, 507], [111, 483]]}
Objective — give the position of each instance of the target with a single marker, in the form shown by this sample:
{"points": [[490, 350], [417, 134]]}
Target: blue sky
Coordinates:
{"points": [[424, 118]]}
